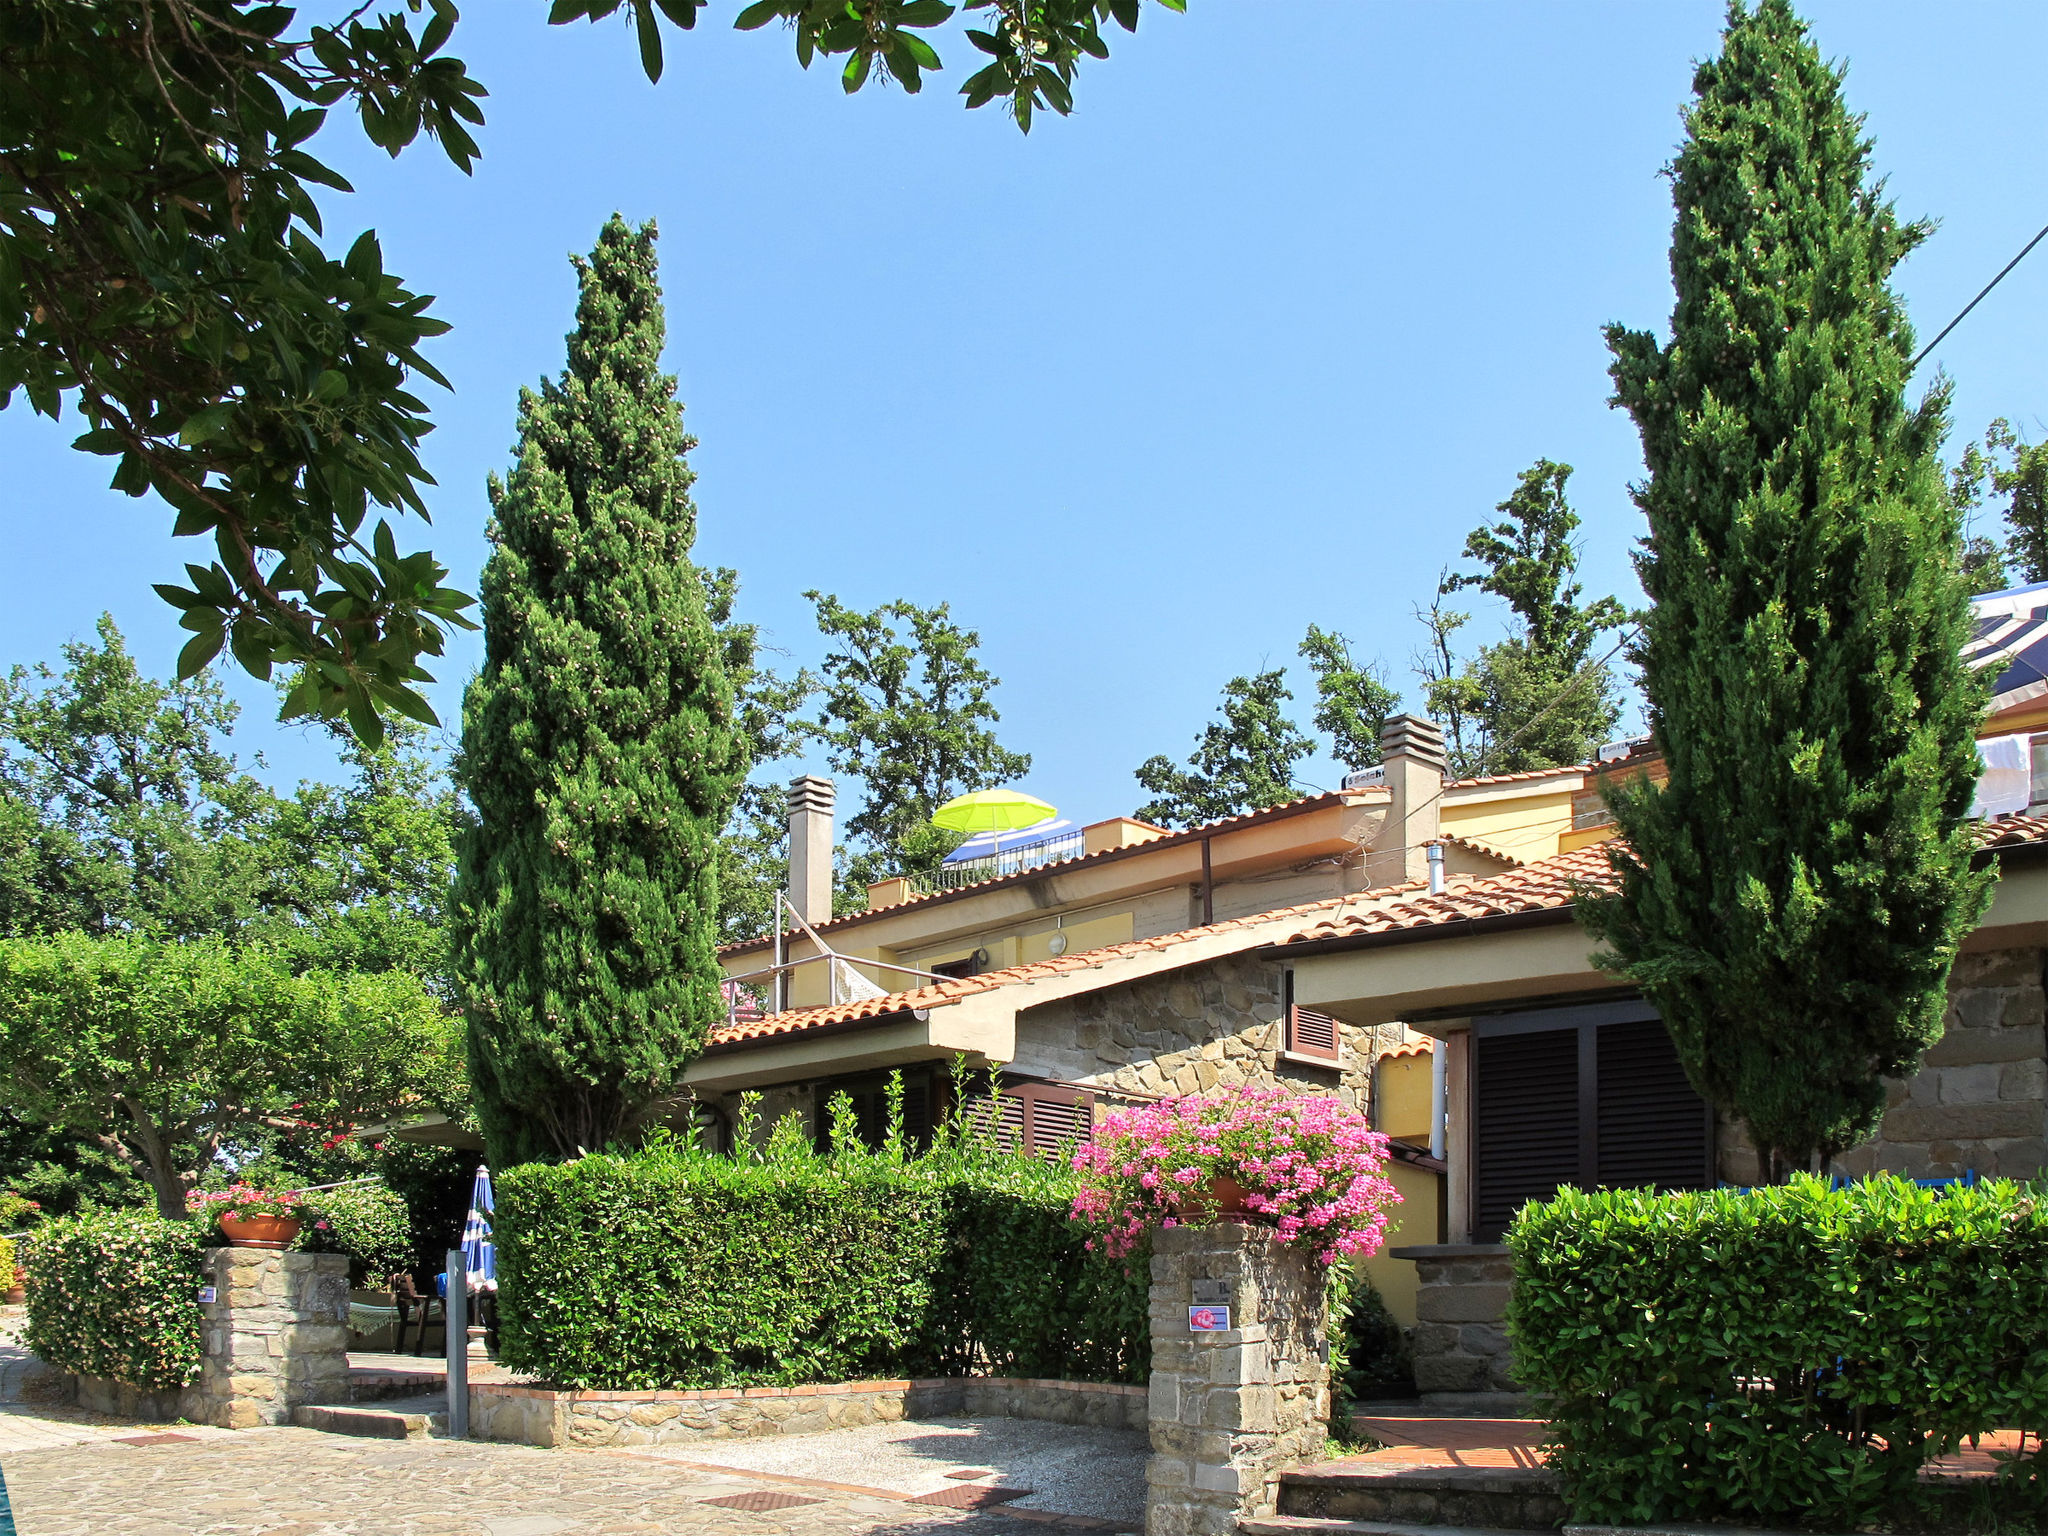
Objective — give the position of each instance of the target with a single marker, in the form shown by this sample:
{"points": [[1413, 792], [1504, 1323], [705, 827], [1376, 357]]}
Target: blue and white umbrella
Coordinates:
{"points": [[479, 1253]]}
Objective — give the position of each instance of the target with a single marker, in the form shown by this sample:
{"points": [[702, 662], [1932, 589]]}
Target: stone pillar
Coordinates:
{"points": [[274, 1336], [1460, 1342], [1228, 1410]]}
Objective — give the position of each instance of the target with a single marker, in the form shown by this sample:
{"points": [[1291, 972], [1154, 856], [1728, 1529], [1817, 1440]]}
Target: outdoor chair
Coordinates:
{"points": [[408, 1298]]}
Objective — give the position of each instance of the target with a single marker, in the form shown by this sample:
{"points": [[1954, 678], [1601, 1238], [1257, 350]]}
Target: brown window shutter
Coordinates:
{"points": [[1309, 1033], [1525, 1124], [1040, 1119], [1655, 1132]]}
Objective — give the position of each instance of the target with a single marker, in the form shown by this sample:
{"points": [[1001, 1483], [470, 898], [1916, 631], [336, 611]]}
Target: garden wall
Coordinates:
{"points": [[541, 1416]]}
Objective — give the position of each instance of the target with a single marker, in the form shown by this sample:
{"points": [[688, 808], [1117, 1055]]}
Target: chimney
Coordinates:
{"points": [[1412, 752], [810, 847]]}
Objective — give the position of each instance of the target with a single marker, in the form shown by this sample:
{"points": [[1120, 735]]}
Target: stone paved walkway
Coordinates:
{"points": [[297, 1482]]}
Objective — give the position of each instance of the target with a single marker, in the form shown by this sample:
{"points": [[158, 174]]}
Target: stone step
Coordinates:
{"points": [[1309, 1525], [405, 1420], [1480, 1498]]}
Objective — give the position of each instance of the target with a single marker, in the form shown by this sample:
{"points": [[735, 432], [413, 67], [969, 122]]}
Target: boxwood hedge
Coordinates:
{"points": [[677, 1268], [1785, 1354], [115, 1294]]}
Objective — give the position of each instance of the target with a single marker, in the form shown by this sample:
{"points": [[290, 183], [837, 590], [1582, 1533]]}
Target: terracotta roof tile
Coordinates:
{"points": [[1526, 773], [1412, 1048], [940, 994], [1488, 849], [1546, 885]]}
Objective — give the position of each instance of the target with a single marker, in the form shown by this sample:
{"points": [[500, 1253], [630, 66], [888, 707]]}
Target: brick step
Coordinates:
{"points": [[1481, 1498], [404, 1420], [1309, 1525]]}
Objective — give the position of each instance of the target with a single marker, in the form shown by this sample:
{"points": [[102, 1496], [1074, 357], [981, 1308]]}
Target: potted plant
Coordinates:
{"points": [[253, 1218], [1309, 1167]]}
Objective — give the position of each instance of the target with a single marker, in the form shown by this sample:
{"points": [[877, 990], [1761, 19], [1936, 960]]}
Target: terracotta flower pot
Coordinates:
{"points": [[259, 1231], [1227, 1195], [14, 1295]]}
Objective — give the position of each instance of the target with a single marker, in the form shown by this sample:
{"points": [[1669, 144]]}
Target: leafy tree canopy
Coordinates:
{"points": [[1540, 698], [906, 711], [1353, 700], [1242, 762], [163, 1053], [2012, 474]]}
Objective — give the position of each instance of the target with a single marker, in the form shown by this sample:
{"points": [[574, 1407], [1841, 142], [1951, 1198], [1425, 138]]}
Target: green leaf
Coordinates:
{"points": [[649, 30], [199, 651], [855, 75], [757, 15]]}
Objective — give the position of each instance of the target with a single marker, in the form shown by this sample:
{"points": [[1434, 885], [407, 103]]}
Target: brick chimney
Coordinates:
{"points": [[810, 847], [1412, 750]]}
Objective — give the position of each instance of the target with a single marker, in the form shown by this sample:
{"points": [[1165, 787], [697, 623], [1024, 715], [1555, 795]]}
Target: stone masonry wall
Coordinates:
{"points": [[543, 1416], [1460, 1341], [275, 1336], [1228, 1410], [1980, 1099], [1209, 1025]]}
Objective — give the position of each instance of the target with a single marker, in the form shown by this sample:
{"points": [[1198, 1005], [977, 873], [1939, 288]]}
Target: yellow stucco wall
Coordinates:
{"points": [[1401, 1097], [1414, 1220], [1526, 826]]}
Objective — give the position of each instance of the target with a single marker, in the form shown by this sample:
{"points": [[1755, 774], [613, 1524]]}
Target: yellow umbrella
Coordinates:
{"points": [[992, 810]]}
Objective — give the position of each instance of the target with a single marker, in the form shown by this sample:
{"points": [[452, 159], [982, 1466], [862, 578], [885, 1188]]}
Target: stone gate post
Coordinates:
{"points": [[274, 1336], [1230, 1407]]}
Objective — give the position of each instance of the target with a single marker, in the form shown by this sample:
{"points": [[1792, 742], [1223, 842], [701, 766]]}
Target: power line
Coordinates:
{"points": [[1978, 300]]}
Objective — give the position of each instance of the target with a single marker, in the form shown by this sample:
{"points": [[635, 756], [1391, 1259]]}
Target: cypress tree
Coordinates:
{"points": [[1799, 887], [598, 746]]}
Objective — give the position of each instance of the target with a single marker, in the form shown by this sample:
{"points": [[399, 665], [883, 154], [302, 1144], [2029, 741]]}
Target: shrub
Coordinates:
{"points": [[1369, 1355], [6, 1263], [1310, 1164], [673, 1267], [115, 1294], [368, 1222], [17, 1212], [1783, 1353]]}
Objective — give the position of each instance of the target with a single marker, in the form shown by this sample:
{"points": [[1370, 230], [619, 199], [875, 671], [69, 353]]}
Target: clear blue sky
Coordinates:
{"points": [[1250, 341]]}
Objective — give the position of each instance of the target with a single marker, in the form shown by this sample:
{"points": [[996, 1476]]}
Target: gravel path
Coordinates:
{"points": [[1070, 1470]]}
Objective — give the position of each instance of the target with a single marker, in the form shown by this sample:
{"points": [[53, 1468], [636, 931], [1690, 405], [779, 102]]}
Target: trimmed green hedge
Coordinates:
{"points": [[674, 1268], [1781, 1354], [115, 1294]]}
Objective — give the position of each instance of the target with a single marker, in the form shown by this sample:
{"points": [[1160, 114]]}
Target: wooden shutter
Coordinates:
{"points": [[1060, 1118], [1309, 1033], [1591, 1096], [1654, 1131], [1525, 1123]]}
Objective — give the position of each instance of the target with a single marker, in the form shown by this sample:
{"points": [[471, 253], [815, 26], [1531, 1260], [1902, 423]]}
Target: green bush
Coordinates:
{"points": [[1781, 1354], [673, 1267], [1369, 1355], [17, 1212], [6, 1263], [369, 1223], [115, 1294]]}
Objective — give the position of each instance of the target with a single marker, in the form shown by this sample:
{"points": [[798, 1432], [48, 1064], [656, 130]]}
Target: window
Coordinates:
{"points": [[1044, 1119], [870, 1096], [2037, 789], [1308, 1032], [1592, 1097]]}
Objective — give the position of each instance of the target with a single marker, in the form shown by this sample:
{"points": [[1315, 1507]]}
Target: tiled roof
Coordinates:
{"points": [[1526, 773], [939, 994], [1542, 886], [1412, 1048], [1188, 834], [1486, 848], [1546, 886]]}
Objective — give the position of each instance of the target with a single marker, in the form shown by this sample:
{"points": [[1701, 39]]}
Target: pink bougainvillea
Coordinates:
{"points": [[1310, 1167]]}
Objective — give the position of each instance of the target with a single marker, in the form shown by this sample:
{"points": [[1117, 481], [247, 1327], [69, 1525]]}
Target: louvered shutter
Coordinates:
{"points": [[1061, 1118], [1654, 1131], [1525, 1123], [1309, 1033]]}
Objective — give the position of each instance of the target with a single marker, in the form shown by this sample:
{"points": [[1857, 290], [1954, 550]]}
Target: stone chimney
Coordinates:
{"points": [[1412, 750], [810, 847]]}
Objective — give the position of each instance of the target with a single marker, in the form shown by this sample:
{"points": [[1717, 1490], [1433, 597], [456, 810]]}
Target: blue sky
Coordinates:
{"points": [[1249, 342]]}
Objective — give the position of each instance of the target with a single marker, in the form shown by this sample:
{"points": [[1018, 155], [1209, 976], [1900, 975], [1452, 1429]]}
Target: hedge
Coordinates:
{"points": [[115, 1294], [1791, 1353], [675, 1268]]}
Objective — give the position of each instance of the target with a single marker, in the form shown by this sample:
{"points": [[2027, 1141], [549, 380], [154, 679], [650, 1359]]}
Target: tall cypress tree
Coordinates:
{"points": [[598, 745], [1799, 887]]}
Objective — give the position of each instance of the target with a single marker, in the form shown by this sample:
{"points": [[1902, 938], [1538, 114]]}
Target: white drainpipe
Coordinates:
{"points": [[1439, 1063]]}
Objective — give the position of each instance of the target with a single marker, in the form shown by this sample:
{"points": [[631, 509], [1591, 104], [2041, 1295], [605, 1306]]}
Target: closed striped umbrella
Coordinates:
{"points": [[479, 1253]]}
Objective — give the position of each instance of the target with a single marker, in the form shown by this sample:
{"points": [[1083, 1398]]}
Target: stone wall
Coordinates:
{"points": [[1460, 1340], [1980, 1099], [544, 1416], [275, 1336], [1205, 1026], [1229, 1410]]}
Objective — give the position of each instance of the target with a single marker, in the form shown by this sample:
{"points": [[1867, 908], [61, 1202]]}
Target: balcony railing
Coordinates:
{"points": [[1046, 850]]}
